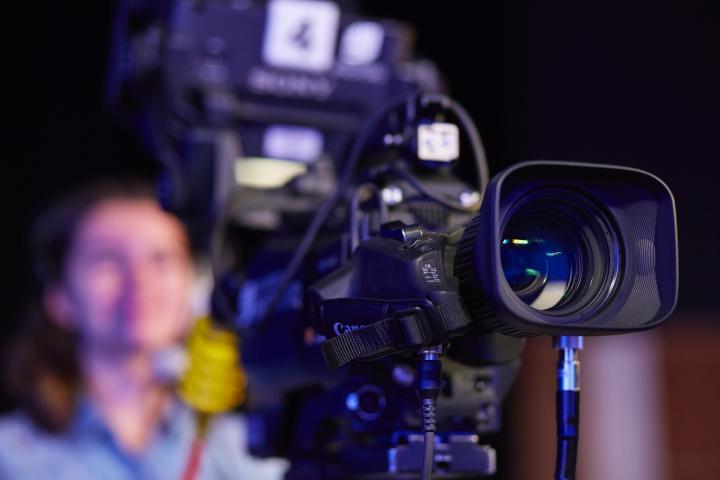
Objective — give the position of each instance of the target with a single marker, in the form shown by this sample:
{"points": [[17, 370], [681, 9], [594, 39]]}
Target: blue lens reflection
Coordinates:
{"points": [[538, 267]]}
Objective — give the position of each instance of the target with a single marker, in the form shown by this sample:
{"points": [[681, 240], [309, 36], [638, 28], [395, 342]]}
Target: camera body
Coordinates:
{"points": [[216, 89], [346, 209], [406, 288]]}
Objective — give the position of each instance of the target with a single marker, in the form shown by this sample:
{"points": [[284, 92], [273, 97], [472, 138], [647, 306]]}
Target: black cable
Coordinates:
{"points": [[428, 459], [475, 142], [470, 128], [568, 416], [479, 157], [322, 214], [432, 195], [349, 169]]}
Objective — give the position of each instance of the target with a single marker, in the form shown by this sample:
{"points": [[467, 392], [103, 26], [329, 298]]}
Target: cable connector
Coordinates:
{"points": [[429, 384], [567, 405], [568, 367]]}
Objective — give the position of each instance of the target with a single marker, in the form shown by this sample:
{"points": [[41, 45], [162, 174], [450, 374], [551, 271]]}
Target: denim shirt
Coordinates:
{"points": [[88, 451]]}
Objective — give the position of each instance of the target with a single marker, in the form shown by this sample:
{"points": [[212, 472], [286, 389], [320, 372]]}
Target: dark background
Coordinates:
{"points": [[631, 83]]}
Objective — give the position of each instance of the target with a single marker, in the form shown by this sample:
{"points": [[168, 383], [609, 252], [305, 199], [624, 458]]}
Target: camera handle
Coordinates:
{"points": [[567, 405]]}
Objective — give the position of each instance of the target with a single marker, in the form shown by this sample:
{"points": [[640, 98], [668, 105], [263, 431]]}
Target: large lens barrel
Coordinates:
{"points": [[570, 249]]}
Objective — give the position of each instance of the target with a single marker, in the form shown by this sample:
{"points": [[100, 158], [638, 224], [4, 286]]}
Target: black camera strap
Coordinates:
{"points": [[403, 330], [400, 331]]}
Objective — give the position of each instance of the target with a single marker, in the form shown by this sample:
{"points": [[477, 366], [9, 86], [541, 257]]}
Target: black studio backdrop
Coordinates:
{"points": [[633, 83]]}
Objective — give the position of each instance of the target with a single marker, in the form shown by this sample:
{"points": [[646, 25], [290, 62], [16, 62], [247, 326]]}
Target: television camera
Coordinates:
{"points": [[380, 282]]}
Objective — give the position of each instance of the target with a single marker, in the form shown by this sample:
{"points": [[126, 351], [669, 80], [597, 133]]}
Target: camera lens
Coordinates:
{"points": [[537, 265], [559, 253]]}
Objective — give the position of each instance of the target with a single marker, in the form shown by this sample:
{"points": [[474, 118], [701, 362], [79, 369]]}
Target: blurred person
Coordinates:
{"points": [[114, 274]]}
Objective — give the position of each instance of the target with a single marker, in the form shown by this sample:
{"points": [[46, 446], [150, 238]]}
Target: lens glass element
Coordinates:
{"points": [[538, 268], [558, 252]]}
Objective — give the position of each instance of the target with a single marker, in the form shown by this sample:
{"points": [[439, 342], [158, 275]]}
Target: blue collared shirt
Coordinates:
{"points": [[88, 451]]}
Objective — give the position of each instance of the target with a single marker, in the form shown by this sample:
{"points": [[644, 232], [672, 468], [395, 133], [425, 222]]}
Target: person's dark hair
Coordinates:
{"points": [[42, 370]]}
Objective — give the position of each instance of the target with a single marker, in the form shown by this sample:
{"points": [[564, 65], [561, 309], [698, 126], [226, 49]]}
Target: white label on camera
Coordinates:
{"points": [[430, 273], [301, 34], [438, 142], [292, 143], [361, 43]]}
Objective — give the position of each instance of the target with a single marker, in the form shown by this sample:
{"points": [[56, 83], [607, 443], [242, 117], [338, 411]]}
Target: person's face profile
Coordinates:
{"points": [[128, 276]]}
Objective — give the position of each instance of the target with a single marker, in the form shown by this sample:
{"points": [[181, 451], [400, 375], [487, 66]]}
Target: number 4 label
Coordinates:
{"points": [[301, 34]]}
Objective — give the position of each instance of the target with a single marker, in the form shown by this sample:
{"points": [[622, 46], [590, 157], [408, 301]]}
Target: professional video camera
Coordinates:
{"points": [[345, 203]]}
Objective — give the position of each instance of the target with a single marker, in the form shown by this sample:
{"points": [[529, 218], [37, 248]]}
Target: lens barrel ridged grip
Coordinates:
{"points": [[471, 290]]}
